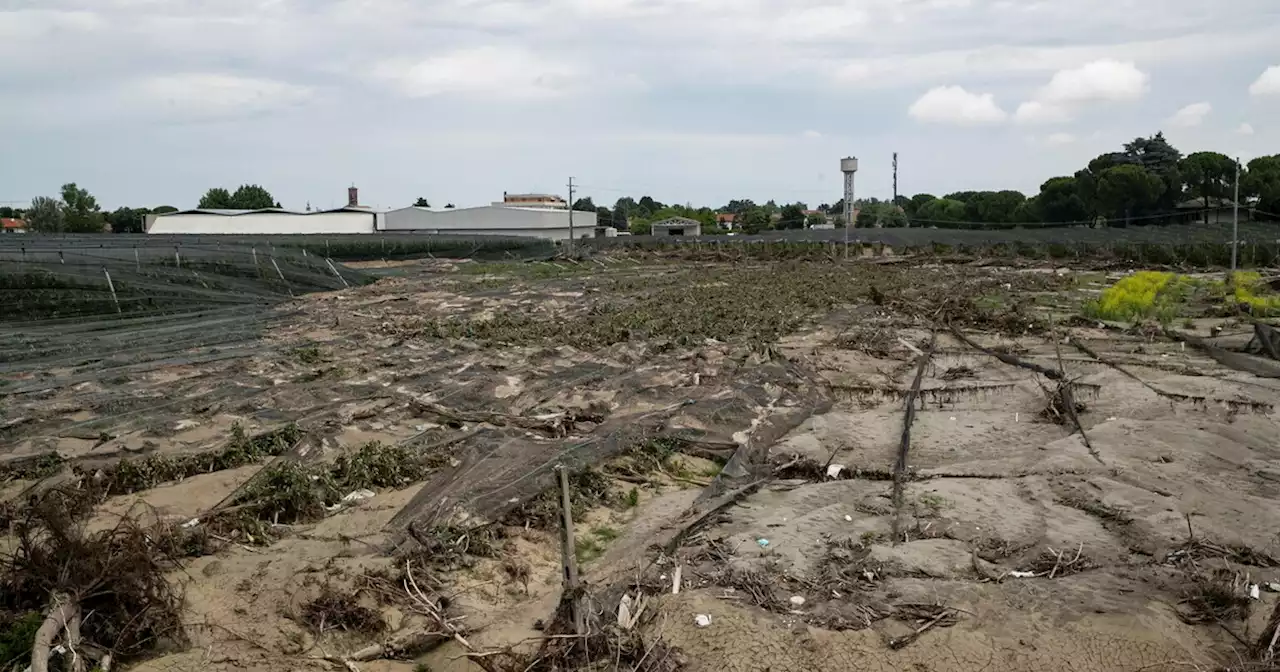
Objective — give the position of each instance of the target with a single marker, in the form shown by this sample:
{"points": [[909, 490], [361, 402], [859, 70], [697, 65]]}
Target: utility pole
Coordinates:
{"points": [[895, 179], [571, 239], [1235, 219]]}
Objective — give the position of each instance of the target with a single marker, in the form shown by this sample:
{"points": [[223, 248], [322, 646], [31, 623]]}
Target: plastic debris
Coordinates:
{"points": [[1254, 592], [797, 600], [1273, 587], [351, 498], [702, 620], [848, 518], [191, 523], [1022, 575], [764, 543], [833, 470]]}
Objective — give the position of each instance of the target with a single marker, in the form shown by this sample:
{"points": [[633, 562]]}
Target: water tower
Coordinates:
{"points": [[848, 166]]}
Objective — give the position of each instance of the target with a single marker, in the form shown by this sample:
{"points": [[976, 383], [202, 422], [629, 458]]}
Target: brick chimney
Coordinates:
{"points": [[353, 197]]}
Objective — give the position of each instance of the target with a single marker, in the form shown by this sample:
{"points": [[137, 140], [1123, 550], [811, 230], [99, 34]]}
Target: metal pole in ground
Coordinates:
{"points": [[112, 287], [1235, 218], [571, 241]]}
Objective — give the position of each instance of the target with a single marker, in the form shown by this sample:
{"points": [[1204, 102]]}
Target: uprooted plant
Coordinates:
{"points": [[102, 595]]}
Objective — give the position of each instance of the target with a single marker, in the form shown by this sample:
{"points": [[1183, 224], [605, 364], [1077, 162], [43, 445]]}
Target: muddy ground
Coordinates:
{"points": [[744, 429]]}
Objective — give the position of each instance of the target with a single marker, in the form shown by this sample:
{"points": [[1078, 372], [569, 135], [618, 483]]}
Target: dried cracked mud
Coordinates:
{"points": [[1001, 539]]}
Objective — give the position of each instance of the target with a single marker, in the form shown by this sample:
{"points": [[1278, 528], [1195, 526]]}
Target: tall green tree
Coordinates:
{"points": [[916, 202], [1262, 183], [1161, 159], [753, 220], [992, 206], [163, 209], [815, 219], [942, 211], [127, 220], [1128, 190], [1208, 176], [1060, 201], [46, 215], [252, 197], [83, 215], [792, 216], [216, 198], [584, 204], [421, 203]]}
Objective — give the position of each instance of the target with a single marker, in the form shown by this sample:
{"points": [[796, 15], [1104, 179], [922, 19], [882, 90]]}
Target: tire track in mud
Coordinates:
{"points": [[908, 417]]}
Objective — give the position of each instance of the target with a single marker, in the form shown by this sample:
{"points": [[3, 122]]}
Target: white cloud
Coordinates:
{"points": [[504, 73], [1070, 89], [1190, 116], [1035, 112], [811, 134], [1059, 139], [955, 106], [1268, 84], [209, 95], [1245, 129], [1102, 80]]}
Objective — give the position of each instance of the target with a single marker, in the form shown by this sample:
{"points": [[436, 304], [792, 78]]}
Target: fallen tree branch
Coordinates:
{"points": [[1051, 374], [63, 612]]}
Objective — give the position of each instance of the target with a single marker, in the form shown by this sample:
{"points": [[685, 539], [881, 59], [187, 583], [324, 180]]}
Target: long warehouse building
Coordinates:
{"points": [[494, 220], [513, 217], [266, 221]]}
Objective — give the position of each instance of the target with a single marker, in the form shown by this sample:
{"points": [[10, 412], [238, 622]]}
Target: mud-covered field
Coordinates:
{"points": [[806, 465]]}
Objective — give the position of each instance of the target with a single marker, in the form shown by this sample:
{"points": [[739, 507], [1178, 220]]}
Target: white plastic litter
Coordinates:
{"points": [[797, 600], [833, 470], [1022, 575], [191, 523], [848, 518], [1273, 587], [702, 620], [1254, 592], [351, 498]]}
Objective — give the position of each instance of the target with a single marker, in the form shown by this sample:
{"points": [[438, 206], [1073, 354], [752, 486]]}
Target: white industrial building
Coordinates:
{"points": [[266, 221], [493, 220], [532, 215]]}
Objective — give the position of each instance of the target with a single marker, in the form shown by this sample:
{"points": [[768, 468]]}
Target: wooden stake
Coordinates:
{"points": [[568, 555]]}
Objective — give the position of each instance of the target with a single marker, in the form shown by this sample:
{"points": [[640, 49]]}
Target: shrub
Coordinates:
{"points": [[1145, 294]]}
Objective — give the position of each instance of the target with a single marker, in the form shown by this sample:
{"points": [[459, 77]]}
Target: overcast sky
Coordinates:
{"points": [[150, 102]]}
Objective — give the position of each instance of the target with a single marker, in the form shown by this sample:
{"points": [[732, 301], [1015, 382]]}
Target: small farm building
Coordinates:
{"points": [[677, 226]]}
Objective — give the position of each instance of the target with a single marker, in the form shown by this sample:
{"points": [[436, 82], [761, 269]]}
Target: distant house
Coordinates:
{"points": [[533, 201], [677, 226], [726, 221], [1213, 210], [8, 225]]}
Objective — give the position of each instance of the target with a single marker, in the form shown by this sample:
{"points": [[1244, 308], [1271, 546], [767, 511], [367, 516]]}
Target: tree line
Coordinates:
{"points": [[1143, 183], [77, 211]]}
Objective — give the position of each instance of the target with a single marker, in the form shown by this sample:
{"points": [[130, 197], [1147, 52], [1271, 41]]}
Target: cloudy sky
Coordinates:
{"points": [[149, 102]]}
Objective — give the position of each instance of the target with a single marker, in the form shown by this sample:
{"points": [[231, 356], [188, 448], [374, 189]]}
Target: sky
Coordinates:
{"points": [[152, 102]]}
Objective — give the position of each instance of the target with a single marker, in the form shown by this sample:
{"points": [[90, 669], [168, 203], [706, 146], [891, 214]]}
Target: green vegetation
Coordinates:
{"points": [[1143, 295], [17, 632], [1164, 297], [1247, 289], [308, 354]]}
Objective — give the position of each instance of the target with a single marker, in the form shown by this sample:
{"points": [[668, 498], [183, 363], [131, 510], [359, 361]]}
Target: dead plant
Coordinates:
{"points": [[102, 593], [1215, 596], [334, 609]]}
